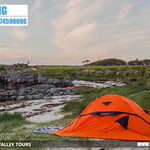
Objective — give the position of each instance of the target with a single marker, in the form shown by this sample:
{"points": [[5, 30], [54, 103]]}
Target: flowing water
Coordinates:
{"points": [[49, 108]]}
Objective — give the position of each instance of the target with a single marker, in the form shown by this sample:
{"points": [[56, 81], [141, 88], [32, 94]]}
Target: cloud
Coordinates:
{"points": [[81, 30], [12, 52], [92, 29], [5, 54], [73, 30], [3, 47], [8, 57], [69, 31], [125, 9], [36, 12], [20, 33], [16, 45], [36, 6], [76, 12]]}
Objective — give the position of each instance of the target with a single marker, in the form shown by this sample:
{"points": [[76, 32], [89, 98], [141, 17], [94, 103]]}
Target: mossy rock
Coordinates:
{"points": [[98, 73], [109, 73], [118, 73], [137, 73], [124, 74], [147, 74]]}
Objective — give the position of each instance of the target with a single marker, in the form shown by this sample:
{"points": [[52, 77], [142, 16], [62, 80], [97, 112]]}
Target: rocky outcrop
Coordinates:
{"points": [[23, 85], [8, 95], [33, 92], [17, 79]]}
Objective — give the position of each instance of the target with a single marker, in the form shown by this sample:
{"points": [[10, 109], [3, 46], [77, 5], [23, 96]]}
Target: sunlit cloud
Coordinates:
{"points": [[5, 55], [126, 8], [3, 47], [36, 6], [8, 57], [80, 31], [20, 33], [9, 52], [69, 31]]}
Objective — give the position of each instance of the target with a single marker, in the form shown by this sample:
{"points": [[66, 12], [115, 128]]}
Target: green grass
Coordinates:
{"points": [[12, 125], [8, 122], [142, 98], [138, 91], [126, 73]]}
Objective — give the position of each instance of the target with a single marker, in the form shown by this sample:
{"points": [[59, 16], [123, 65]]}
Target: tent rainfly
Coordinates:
{"points": [[110, 117]]}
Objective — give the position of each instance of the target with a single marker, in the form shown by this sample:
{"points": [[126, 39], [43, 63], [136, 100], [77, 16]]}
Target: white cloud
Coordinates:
{"points": [[76, 12], [36, 12], [37, 4], [81, 31], [3, 47], [74, 28], [125, 10], [93, 28], [6, 54], [19, 33], [15, 45]]}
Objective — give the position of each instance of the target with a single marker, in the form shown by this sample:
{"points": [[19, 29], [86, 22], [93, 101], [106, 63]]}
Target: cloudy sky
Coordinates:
{"points": [[70, 31]]}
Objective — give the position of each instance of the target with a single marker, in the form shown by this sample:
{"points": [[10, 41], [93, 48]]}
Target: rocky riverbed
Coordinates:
{"points": [[38, 97], [23, 85], [97, 84], [42, 110]]}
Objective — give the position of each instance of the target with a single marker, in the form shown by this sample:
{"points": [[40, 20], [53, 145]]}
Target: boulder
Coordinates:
{"points": [[53, 91], [20, 98], [23, 85]]}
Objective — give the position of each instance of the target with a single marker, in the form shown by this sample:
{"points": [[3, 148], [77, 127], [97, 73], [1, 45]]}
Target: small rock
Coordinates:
{"points": [[29, 97], [20, 98], [39, 96], [41, 78], [22, 91], [56, 82], [66, 82], [53, 91]]}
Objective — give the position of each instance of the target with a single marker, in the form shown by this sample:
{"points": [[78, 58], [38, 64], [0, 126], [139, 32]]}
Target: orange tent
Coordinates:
{"points": [[110, 117]]}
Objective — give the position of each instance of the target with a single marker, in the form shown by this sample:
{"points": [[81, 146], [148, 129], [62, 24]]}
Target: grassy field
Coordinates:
{"points": [[14, 127], [10, 121], [138, 91], [125, 73]]}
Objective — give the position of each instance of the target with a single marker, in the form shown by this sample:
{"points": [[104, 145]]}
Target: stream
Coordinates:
{"points": [[49, 108]]}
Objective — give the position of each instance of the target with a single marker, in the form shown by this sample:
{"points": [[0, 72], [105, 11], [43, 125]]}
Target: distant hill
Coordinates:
{"points": [[108, 62], [139, 62]]}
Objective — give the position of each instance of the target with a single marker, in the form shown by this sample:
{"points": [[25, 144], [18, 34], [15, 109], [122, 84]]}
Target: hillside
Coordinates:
{"points": [[117, 62], [108, 62]]}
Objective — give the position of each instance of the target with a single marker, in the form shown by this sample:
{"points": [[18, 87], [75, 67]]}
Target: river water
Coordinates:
{"points": [[49, 108]]}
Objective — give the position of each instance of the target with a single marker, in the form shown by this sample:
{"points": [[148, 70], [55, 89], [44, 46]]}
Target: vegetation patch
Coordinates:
{"points": [[8, 122], [124, 73], [138, 91], [142, 99]]}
